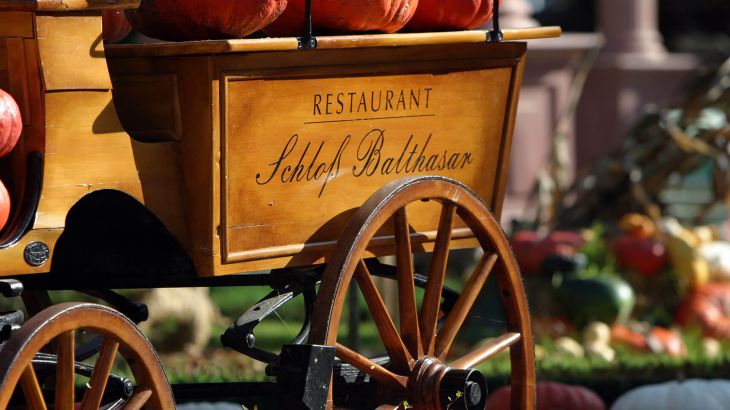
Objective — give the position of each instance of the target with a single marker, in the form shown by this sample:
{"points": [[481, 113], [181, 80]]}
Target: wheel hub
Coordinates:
{"points": [[432, 382]]}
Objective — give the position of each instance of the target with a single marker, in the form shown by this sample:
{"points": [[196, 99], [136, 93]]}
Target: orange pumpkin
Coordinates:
{"points": [[203, 19], [11, 124], [4, 205], [439, 15], [387, 16], [114, 25]]}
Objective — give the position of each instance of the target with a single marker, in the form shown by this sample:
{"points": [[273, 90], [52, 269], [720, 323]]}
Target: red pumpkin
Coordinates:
{"points": [[4, 205], [114, 25], [387, 16], [203, 19], [531, 249], [438, 15], [550, 396], [709, 307], [644, 255], [10, 123]]}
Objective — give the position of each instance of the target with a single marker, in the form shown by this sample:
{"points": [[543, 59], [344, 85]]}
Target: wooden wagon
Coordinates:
{"points": [[256, 162]]}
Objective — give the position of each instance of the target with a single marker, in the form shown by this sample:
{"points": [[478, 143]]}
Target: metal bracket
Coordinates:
{"points": [[10, 288], [495, 34], [308, 41], [10, 322], [304, 373], [240, 336]]}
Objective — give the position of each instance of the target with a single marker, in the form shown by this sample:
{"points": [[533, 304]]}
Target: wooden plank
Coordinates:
{"points": [[72, 52], [341, 140], [18, 77], [4, 81], [67, 5], [16, 24], [324, 42]]}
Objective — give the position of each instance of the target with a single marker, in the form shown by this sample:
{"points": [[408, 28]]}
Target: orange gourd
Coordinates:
{"points": [[11, 124], [439, 15], [4, 205], [203, 19], [387, 16]]}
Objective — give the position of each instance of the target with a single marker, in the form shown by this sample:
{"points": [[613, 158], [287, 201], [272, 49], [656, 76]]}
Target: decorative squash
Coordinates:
{"points": [[638, 225], [114, 25], [439, 15], [11, 124], [203, 19], [656, 339], [603, 298], [551, 395], [707, 307], [532, 249], [4, 205], [387, 16], [689, 394], [643, 255]]}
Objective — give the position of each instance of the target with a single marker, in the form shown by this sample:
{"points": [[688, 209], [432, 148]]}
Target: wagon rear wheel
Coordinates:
{"points": [[38, 369], [418, 370]]}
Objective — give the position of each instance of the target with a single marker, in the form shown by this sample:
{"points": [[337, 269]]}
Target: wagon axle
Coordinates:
{"points": [[456, 388]]}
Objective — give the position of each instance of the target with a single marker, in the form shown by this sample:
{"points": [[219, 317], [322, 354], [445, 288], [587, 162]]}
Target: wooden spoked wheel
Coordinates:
{"points": [[416, 373], [51, 335]]}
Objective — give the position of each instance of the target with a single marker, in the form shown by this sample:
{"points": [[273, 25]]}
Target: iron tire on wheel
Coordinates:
{"points": [[417, 369]]}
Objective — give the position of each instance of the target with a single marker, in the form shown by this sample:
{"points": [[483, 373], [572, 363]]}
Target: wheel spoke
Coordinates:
{"points": [[102, 369], [463, 305], [399, 355], [485, 352], [32, 389], [371, 368], [65, 371], [407, 308], [436, 273], [138, 400]]}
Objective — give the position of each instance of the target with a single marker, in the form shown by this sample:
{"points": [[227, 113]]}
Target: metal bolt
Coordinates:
{"points": [[472, 393]]}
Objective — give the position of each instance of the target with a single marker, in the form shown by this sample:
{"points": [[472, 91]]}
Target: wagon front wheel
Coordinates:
{"points": [[38, 369], [420, 369]]}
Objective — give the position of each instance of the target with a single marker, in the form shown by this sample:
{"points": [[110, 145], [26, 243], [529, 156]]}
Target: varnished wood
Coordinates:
{"points": [[463, 305], [16, 24], [328, 42], [368, 220], [365, 365], [483, 353], [18, 352], [102, 369], [436, 275], [138, 400], [61, 56], [65, 374], [32, 389], [407, 308], [67, 5], [400, 357]]}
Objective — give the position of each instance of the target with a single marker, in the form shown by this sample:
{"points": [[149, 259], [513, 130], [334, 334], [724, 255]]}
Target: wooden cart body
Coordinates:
{"points": [[252, 153]]}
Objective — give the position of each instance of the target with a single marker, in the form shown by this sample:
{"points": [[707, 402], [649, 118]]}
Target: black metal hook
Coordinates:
{"points": [[495, 34], [308, 41]]}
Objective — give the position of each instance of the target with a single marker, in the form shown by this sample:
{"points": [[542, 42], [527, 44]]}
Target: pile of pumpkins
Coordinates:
{"points": [[11, 127], [601, 305], [181, 20]]}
